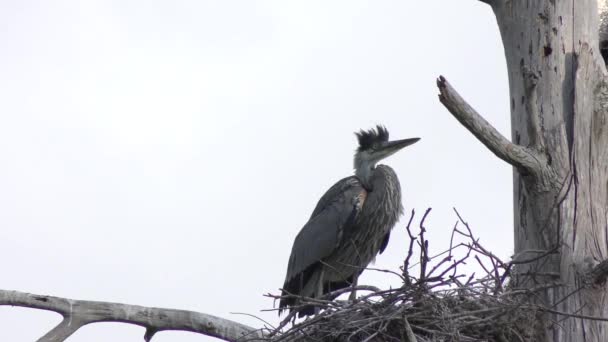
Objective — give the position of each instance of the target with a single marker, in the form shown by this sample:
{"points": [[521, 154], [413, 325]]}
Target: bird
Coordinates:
{"points": [[349, 226]]}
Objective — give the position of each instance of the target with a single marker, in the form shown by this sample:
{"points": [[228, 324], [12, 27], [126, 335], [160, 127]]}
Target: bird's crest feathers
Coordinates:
{"points": [[368, 138]]}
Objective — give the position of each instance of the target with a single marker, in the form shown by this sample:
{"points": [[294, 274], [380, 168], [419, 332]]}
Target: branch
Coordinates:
{"points": [[77, 313], [408, 331], [520, 157]]}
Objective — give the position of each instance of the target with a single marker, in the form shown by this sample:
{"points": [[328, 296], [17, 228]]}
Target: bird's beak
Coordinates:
{"points": [[391, 147]]}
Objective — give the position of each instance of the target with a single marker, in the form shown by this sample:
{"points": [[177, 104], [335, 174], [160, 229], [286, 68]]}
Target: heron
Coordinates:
{"points": [[349, 226]]}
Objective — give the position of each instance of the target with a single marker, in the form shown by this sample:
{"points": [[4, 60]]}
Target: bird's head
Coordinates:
{"points": [[374, 146]]}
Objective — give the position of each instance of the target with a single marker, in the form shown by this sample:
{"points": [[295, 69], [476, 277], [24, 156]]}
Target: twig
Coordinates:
{"points": [[408, 331], [256, 317], [410, 250], [424, 246]]}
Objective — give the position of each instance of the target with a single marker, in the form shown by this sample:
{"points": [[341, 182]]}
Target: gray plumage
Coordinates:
{"points": [[350, 225]]}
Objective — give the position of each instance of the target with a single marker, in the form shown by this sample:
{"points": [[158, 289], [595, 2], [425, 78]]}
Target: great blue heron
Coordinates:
{"points": [[349, 226]]}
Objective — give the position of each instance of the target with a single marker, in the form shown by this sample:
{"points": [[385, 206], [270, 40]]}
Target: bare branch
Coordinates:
{"points": [[406, 263], [77, 313], [408, 331], [516, 155], [424, 247], [63, 330]]}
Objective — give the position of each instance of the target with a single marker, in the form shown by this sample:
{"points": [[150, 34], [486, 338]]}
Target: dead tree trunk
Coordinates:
{"points": [[559, 150]]}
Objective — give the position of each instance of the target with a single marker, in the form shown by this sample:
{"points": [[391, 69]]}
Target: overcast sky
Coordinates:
{"points": [[166, 153]]}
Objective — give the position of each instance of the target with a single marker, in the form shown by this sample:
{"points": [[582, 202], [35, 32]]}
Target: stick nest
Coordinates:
{"points": [[438, 304]]}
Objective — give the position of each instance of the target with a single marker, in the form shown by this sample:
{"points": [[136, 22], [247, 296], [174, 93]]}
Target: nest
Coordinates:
{"points": [[438, 304]]}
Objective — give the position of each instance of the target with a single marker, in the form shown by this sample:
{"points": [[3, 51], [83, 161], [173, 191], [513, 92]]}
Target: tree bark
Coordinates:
{"points": [[559, 107]]}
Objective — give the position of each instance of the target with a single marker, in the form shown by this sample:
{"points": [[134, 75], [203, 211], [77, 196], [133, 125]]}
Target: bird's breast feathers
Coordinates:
{"points": [[360, 199]]}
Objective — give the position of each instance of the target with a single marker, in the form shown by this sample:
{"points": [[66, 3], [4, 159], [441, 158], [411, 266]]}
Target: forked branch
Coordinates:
{"points": [[520, 157], [77, 313]]}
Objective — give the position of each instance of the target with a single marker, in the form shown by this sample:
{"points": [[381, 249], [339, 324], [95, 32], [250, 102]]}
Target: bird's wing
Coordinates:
{"points": [[335, 212], [385, 242], [335, 191]]}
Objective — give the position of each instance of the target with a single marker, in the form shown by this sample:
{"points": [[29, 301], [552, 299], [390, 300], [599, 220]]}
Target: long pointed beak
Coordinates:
{"points": [[399, 144], [391, 147]]}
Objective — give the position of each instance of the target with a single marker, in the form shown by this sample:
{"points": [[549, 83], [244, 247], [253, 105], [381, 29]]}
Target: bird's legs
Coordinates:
{"points": [[320, 289], [353, 292]]}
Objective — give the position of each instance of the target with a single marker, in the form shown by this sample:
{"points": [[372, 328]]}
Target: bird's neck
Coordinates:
{"points": [[365, 173]]}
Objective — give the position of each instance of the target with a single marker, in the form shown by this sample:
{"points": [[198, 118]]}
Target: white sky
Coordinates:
{"points": [[167, 153]]}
